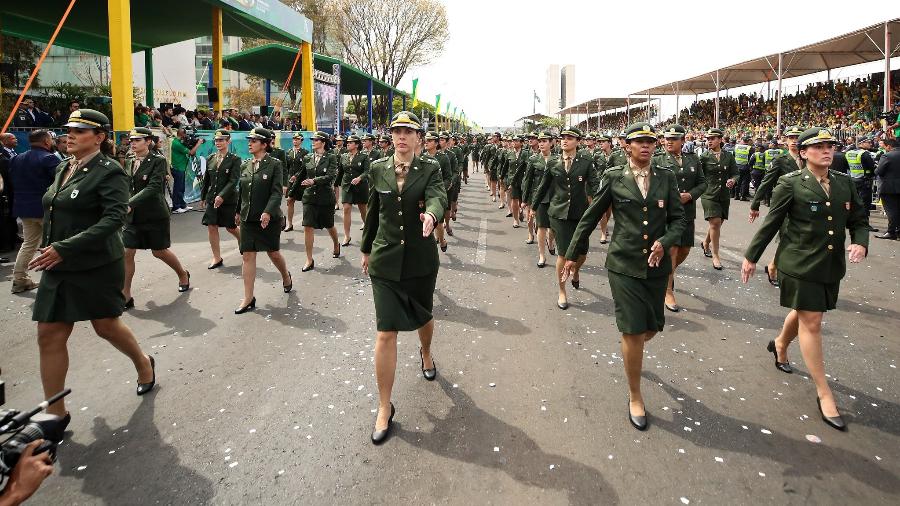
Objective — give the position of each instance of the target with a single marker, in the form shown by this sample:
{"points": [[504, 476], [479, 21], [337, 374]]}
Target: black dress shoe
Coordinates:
{"points": [[290, 286], [444, 247], [529, 241], [872, 229], [516, 225], [216, 265], [429, 374], [562, 305], [509, 215], [336, 254], [64, 422], [380, 436], [307, 268], [887, 235], [673, 307], [717, 267], [129, 303], [541, 265], [143, 388], [449, 231], [603, 241], [781, 366], [248, 307], [834, 421], [706, 252], [772, 281], [288, 229], [187, 286], [638, 422], [346, 243], [552, 251], [576, 284]]}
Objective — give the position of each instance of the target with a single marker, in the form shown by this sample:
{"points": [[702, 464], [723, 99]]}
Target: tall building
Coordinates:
{"points": [[560, 88]]}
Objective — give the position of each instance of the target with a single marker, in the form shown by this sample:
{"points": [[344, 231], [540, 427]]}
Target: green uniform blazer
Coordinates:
{"points": [[534, 172], [260, 192], [393, 231], [639, 221], [781, 165], [812, 242], [454, 166], [323, 176], [83, 218], [221, 179], [717, 174], [568, 193], [617, 157], [148, 189], [293, 164], [374, 154], [444, 163], [355, 167], [689, 176], [600, 161], [517, 165]]}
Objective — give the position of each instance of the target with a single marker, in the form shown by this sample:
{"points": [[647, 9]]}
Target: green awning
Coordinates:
{"points": [[274, 61], [154, 23]]}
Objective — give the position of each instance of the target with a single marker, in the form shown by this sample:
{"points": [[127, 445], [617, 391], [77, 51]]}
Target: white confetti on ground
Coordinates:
{"points": [[496, 448], [681, 450], [812, 438], [232, 464], [765, 431], [552, 466], [685, 500], [720, 459], [82, 468], [762, 474]]}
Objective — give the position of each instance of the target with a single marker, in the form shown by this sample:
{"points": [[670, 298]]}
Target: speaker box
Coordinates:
{"points": [[213, 94]]}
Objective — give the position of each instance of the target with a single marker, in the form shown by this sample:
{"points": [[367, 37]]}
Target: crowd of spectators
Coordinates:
{"points": [[175, 116]]}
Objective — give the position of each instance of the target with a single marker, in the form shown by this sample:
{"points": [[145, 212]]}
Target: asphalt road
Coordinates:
{"points": [[276, 406]]}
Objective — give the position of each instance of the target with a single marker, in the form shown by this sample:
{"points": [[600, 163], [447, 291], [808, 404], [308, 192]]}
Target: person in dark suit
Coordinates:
{"points": [[31, 173], [399, 254], [147, 224], [8, 227], [82, 257], [888, 172], [839, 164]]}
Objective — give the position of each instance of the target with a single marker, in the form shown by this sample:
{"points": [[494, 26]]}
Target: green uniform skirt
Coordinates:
{"points": [[564, 230], [516, 192], [405, 305], [355, 194], [318, 216], [542, 216], [75, 296], [221, 217], [256, 238], [295, 191], [715, 208], [687, 237], [153, 235], [639, 302], [452, 194], [493, 174], [805, 295]]}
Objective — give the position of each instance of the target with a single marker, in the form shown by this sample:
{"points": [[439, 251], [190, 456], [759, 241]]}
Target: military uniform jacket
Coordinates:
{"points": [[781, 165], [83, 218], [444, 162], [568, 193], [293, 164], [517, 166], [639, 221], [812, 243], [617, 157], [323, 175], [148, 187], [454, 166], [689, 176], [487, 154], [717, 173], [374, 154], [393, 231], [534, 172], [260, 190], [355, 167], [221, 179]]}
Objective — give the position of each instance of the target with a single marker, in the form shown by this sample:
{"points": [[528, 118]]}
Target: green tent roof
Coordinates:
{"points": [[274, 61], [154, 23]]}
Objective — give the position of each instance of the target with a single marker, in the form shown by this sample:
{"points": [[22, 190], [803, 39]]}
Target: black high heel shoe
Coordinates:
{"points": [[781, 366], [638, 422], [129, 303], [380, 436], [307, 268], [346, 243], [552, 251], [187, 286], [772, 281], [429, 374], [290, 286], [248, 307], [336, 254], [143, 388], [216, 265], [576, 283], [706, 251], [833, 421]]}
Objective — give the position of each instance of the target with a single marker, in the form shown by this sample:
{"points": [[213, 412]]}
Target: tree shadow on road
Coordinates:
{"points": [[447, 309], [302, 317], [802, 458], [143, 469], [469, 434], [179, 316]]}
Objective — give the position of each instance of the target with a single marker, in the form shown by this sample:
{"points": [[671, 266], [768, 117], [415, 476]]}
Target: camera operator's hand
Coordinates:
{"points": [[27, 476]]}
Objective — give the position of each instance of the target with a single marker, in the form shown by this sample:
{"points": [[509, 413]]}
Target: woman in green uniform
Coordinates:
{"points": [[355, 186], [537, 166], [649, 220], [219, 194], [82, 257], [339, 150], [259, 204], [816, 206], [399, 254], [568, 184], [293, 170], [721, 172], [147, 222], [691, 184], [318, 199], [431, 144]]}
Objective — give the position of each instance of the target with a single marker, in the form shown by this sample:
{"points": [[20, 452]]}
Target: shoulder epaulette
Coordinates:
{"points": [[794, 173], [836, 173], [615, 168], [664, 168], [382, 159], [428, 158]]}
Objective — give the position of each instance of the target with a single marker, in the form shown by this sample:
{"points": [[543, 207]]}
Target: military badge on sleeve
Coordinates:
{"points": [[661, 203]]}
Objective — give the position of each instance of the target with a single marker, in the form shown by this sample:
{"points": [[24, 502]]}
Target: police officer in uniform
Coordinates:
{"points": [[259, 202], [355, 186], [219, 194], [816, 206], [147, 223], [293, 169], [399, 254], [649, 221], [82, 257], [862, 171], [318, 199], [757, 167], [568, 182], [691, 185], [743, 154], [720, 170], [537, 166]]}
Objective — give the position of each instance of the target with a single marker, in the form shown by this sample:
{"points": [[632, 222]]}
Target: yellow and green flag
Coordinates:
{"points": [[437, 104], [415, 92]]}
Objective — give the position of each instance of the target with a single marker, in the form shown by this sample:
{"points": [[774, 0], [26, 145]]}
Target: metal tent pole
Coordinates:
{"points": [[717, 98], [778, 99], [887, 66]]}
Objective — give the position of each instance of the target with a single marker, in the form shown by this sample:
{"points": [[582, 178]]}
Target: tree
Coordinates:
{"points": [[243, 99], [20, 56]]}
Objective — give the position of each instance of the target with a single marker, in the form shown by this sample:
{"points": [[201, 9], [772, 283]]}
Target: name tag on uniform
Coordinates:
{"points": [[265, 176], [384, 191], [661, 203], [74, 194], [623, 201]]}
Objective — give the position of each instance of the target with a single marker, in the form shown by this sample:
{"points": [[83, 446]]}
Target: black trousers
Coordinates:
{"points": [[756, 177], [742, 188], [864, 188], [891, 203]]}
